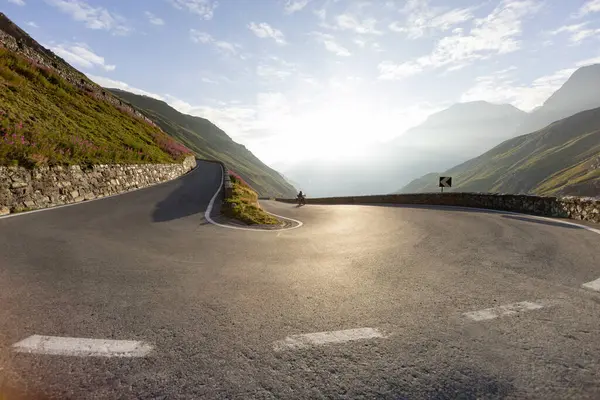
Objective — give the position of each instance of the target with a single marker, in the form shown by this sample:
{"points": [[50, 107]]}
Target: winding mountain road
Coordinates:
{"points": [[138, 296]]}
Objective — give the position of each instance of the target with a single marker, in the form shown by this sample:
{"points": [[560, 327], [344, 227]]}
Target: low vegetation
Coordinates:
{"points": [[45, 120], [243, 204]]}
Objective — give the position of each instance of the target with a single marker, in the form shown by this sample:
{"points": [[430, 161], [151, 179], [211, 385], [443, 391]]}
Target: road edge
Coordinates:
{"points": [[211, 204]]}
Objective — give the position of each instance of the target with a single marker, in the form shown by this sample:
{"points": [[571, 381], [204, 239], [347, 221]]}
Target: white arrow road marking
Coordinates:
{"points": [[68, 346], [323, 338], [593, 285], [501, 311]]}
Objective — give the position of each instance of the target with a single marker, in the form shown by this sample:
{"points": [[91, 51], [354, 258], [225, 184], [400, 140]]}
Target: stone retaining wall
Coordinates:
{"points": [[585, 209], [24, 189]]}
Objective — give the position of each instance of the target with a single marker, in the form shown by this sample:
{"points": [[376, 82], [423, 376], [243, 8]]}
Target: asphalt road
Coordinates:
{"points": [[217, 304]]}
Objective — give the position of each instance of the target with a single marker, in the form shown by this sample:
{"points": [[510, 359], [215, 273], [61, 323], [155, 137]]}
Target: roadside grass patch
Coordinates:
{"points": [[243, 204]]}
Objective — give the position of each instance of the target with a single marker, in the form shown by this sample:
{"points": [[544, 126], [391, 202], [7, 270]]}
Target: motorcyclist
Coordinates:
{"points": [[301, 199]]}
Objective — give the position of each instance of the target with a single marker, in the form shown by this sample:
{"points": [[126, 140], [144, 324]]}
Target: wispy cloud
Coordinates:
{"points": [[17, 2], [93, 17], [153, 19], [114, 84], [292, 6], [205, 38], [588, 61], [264, 30], [32, 24], [577, 32], [589, 7], [330, 44], [353, 23], [275, 69], [498, 33], [422, 18], [500, 87], [80, 55], [203, 8]]}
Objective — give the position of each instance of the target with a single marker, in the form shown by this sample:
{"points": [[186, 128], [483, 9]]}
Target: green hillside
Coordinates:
{"points": [[44, 119], [210, 142], [561, 159]]}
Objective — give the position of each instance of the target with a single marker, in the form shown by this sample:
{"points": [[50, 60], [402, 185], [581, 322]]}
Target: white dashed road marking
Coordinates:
{"points": [[67, 346], [593, 285], [501, 311], [323, 338]]}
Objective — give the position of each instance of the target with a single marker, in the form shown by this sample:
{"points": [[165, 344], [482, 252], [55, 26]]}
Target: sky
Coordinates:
{"points": [[296, 80]]}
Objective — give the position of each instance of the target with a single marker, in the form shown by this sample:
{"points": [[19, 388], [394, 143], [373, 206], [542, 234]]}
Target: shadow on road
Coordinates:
{"points": [[542, 221], [185, 199]]}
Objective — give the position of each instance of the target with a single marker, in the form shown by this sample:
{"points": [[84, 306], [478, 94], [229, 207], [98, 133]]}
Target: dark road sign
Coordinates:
{"points": [[445, 181]]}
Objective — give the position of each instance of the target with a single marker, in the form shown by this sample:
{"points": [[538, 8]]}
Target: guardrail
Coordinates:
{"points": [[580, 208]]}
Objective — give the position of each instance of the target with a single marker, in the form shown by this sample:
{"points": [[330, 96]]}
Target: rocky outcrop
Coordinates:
{"points": [[581, 208], [25, 189]]}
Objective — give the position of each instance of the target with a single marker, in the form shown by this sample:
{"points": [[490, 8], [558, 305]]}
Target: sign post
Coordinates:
{"points": [[445, 181]]}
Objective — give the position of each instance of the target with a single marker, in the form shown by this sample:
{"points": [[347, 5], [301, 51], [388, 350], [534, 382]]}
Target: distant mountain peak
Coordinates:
{"points": [[471, 111], [580, 92]]}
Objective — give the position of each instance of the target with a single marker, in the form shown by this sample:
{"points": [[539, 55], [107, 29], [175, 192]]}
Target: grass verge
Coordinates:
{"points": [[45, 120], [243, 204]]}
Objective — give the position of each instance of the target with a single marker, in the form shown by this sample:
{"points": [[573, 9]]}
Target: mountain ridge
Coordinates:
{"points": [[574, 176], [38, 58], [209, 141], [578, 93], [561, 159]]}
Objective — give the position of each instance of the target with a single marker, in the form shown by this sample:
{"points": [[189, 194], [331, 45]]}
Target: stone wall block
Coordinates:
{"points": [[57, 185]]}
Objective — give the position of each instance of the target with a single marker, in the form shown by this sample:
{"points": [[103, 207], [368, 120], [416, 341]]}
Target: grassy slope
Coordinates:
{"points": [[559, 159], [243, 205], [210, 142], [45, 119]]}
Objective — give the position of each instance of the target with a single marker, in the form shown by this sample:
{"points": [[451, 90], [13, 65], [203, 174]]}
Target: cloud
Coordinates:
{"points": [[221, 45], [32, 24], [321, 14], [422, 18], [377, 47], [203, 8], [360, 42], [392, 71], [275, 69], [154, 20], [330, 44], [264, 30], [17, 2], [500, 87], [113, 84], [578, 32], [200, 37], [495, 34], [93, 17], [350, 22], [292, 6], [80, 55], [588, 61], [591, 6]]}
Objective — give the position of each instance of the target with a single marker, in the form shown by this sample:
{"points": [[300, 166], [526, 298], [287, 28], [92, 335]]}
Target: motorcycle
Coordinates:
{"points": [[301, 200]]}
